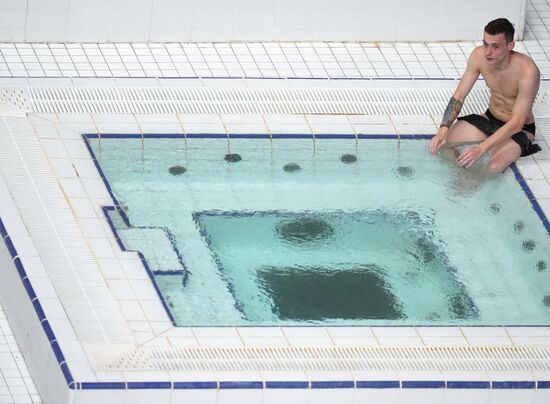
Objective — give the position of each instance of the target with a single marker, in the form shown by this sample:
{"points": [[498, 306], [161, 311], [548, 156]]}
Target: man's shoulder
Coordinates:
{"points": [[477, 55], [524, 59]]}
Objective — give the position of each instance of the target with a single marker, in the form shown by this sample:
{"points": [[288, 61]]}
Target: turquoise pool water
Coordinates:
{"points": [[299, 232]]}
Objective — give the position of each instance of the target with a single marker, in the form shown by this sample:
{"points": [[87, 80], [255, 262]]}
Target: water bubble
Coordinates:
{"points": [[541, 265], [528, 245], [232, 157], [433, 316], [304, 229], [427, 250], [546, 300], [177, 170], [348, 158], [458, 306], [495, 208], [519, 226], [411, 276], [405, 171], [291, 168]]}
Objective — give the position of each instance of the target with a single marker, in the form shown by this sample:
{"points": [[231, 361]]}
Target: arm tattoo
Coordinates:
{"points": [[452, 111]]}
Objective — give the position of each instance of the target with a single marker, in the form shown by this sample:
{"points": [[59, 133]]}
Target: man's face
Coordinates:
{"points": [[496, 48]]}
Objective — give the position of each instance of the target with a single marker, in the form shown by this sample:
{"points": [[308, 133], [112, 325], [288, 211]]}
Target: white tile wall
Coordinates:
{"points": [[240, 20]]}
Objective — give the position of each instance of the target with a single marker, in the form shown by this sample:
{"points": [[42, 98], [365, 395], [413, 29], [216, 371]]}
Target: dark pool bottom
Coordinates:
{"points": [[311, 267], [316, 294]]}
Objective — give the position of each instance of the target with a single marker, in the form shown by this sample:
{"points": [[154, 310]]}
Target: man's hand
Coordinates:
{"points": [[439, 140], [470, 155]]}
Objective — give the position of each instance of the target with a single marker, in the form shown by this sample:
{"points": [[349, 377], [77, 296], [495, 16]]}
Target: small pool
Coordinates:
{"points": [[331, 231]]}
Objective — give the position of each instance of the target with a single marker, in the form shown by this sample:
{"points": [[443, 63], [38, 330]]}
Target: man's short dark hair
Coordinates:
{"points": [[501, 26]]}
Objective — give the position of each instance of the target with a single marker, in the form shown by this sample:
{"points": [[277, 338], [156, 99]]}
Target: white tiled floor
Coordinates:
{"points": [[247, 60], [332, 60]]}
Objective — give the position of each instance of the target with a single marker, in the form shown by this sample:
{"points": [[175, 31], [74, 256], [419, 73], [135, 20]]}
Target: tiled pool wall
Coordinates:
{"points": [[242, 20]]}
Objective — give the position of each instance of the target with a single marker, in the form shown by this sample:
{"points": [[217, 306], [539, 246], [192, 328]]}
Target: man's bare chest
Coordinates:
{"points": [[503, 84]]}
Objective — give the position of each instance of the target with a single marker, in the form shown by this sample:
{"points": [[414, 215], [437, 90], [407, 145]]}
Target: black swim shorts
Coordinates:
{"points": [[491, 124]]}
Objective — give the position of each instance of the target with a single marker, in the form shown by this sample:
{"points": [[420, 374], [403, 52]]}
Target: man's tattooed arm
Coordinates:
{"points": [[452, 111]]}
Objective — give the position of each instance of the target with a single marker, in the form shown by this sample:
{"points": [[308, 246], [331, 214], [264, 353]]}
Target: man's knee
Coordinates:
{"points": [[503, 156], [496, 167]]}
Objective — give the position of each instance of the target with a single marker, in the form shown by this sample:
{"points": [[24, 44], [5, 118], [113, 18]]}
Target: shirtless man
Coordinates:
{"points": [[507, 128]]}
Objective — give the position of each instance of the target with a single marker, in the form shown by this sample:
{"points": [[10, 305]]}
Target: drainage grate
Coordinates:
{"points": [[15, 98], [199, 100], [332, 358], [244, 100]]}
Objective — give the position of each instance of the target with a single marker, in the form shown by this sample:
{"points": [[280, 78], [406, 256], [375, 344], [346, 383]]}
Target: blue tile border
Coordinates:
{"points": [[327, 136], [286, 385], [103, 386], [3, 230], [326, 384], [148, 385], [423, 384], [28, 287], [278, 78], [10, 247], [39, 310], [463, 384], [515, 385], [333, 384], [531, 197], [20, 268], [48, 330], [67, 375], [196, 385], [98, 168], [377, 384], [274, 78], [242, 385], [57, 352], [87, 136]]}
